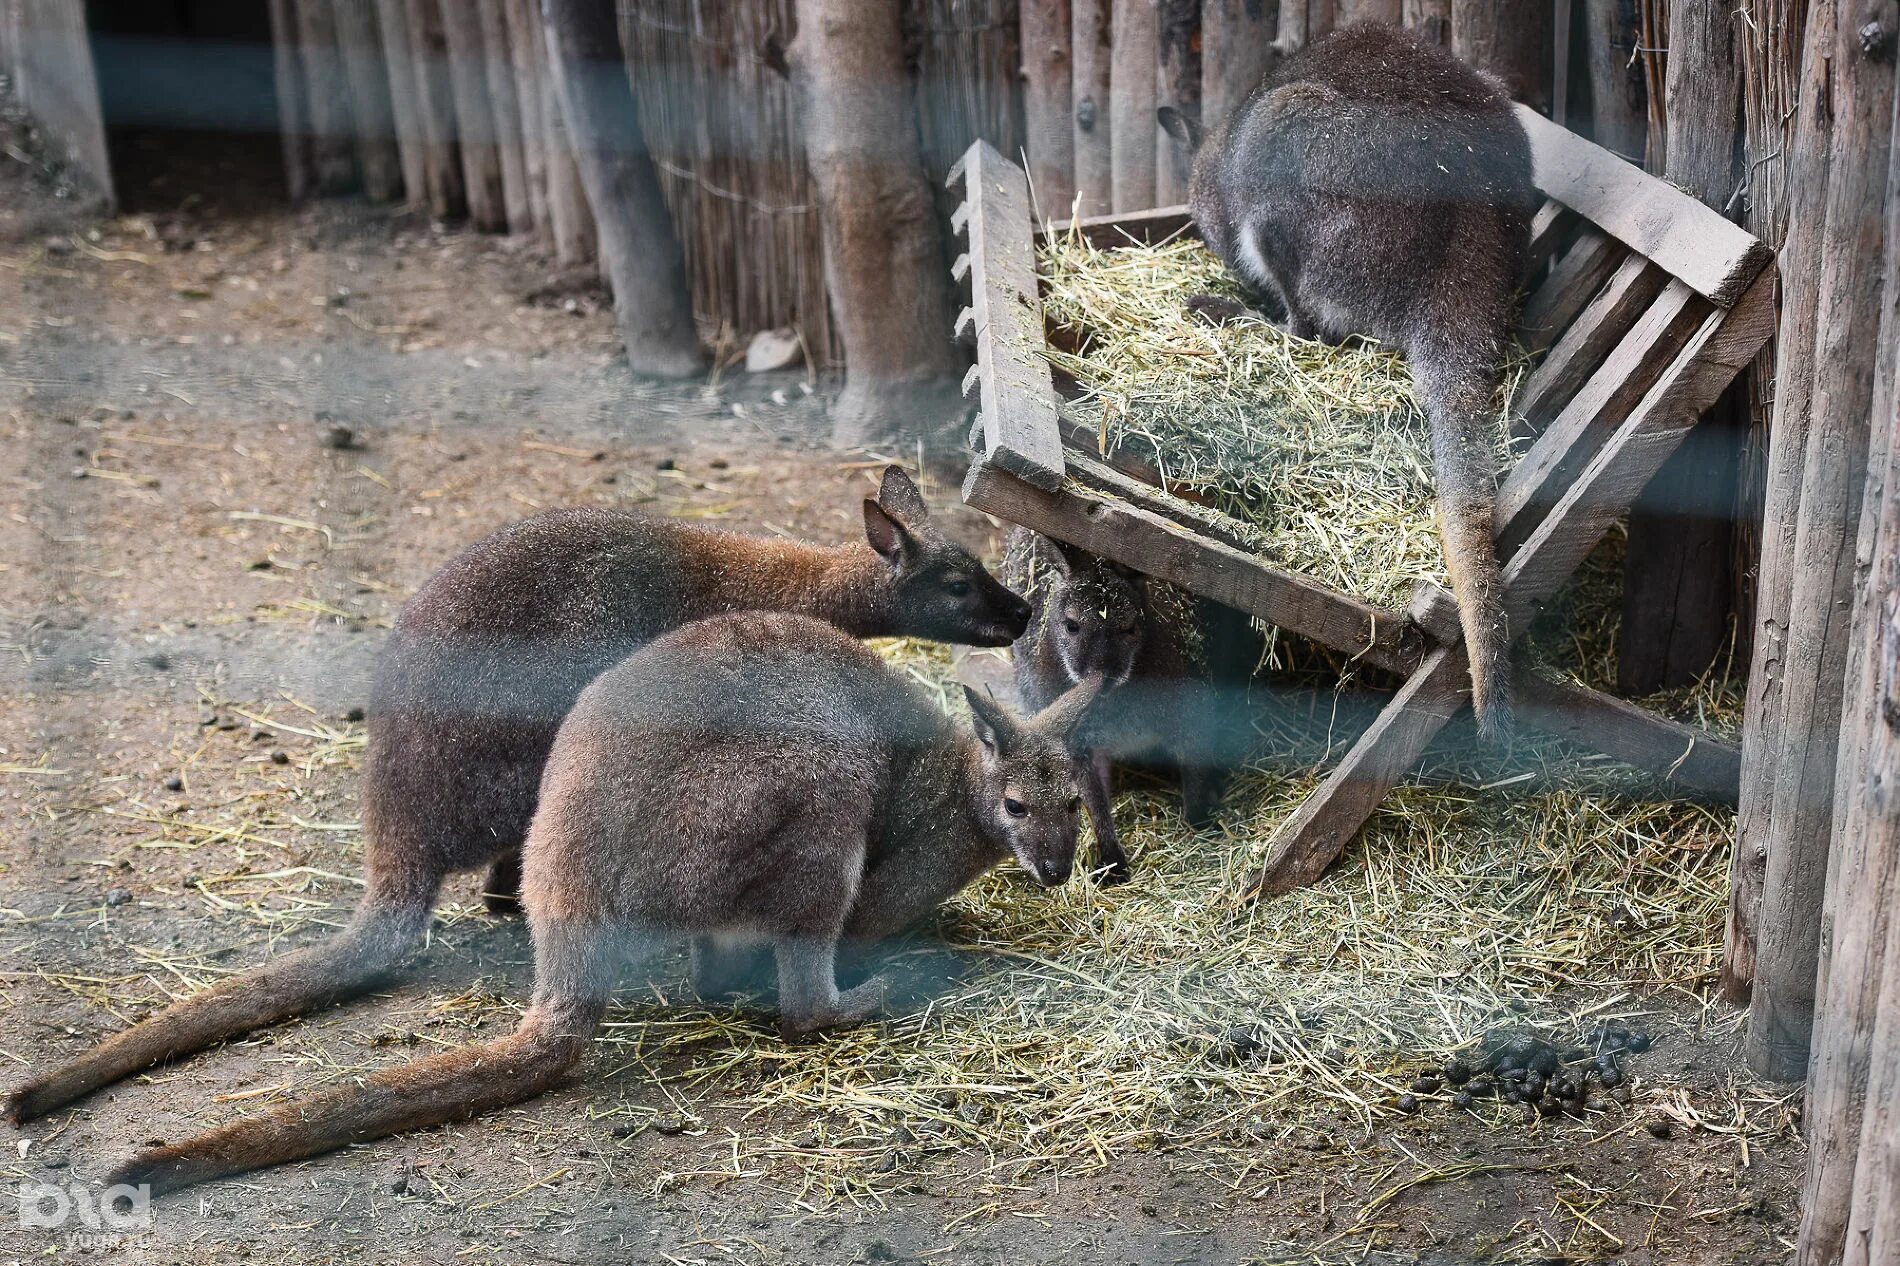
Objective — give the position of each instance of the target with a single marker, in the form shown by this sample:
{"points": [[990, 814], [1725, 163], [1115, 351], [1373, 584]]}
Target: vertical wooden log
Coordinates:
{"points": [[399, 58], [1236, 53], [293, 111], [1132, 128], [475, 119], [1509, 38], [1853, 1103], [1177, 84], [1089, 48], [570, 219], [332, 148], [361, 44], [1048, 112], [523, 48], [435, 107], [1619, 98], [1350, 11], [1430, 18], [1803, 747], [1677, 585], [1302, 22], [639, 250], [505, 108]]}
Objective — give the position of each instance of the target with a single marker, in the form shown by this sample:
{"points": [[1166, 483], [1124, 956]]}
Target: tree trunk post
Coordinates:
{"points": [[1177, 84], [435, 107], [361, 44], [1619, 98], [326, 95], [884, 260], [1132, 103], [639, 251], [1089, 48], [1430, 18], [1509, 38], [1800, 747], [1388, 11], [524, 48], [475, 118], [1236, 53], [293, 109], [399, 59], [506, 110], [1048, 107]]}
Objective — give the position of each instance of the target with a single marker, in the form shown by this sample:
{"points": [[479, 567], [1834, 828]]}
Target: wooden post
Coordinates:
{"points": [[524, 48], [1619, 98], [293, 111], [435, 106], [1430, 18], [1349, 11], [1852, 1211], [1509, 38], [1236, 52], [1089, 47], [505, 108], [570, 219], [1048, 113], [1177, 84], [1677, 584], [1302, 22], [361, 46], [399, 57], [1132, 129], [332, 150], [475, 119], [1799, 747]]}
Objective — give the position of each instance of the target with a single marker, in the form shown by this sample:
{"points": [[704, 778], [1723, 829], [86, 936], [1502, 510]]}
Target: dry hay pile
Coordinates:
{"points": [[1321, 450]]}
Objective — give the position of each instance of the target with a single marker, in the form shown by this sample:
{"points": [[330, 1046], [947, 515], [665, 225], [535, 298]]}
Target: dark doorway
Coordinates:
{"points": [[190, 103]]}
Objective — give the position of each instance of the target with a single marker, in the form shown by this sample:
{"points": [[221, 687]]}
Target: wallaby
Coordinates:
{"points": [[750, 779], [1376, 185], [484, 662], [1149, 642]]}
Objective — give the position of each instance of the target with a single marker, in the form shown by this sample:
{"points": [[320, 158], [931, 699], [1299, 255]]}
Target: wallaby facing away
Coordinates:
{"points": [[750, 779], [1376, 185], [484, 662], [1149, 642]]}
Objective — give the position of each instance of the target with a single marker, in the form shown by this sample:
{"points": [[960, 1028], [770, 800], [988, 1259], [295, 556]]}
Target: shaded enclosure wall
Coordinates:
{"points": [[45, 54]]}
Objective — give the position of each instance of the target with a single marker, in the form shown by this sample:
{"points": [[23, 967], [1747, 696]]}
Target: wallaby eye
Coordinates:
{"points": [[957, 588], [1015, 808], [1073, 626]]}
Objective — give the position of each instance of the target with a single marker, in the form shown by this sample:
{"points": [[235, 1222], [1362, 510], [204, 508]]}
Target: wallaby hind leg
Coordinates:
{"points": [[502, 891], [1111, 861], [808, 997], [390, 920]]}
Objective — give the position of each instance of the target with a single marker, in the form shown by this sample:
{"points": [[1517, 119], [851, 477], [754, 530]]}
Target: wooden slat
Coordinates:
{"points": [[1581, 350], [1144, 227], [1018, 398], [1693, 242], [1572, 282], [1551, 227]]}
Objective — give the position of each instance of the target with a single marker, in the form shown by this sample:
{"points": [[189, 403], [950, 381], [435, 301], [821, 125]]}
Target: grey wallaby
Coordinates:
{"points": [[1376, 185], [752, 779], [1157, 650], [483, 663]]}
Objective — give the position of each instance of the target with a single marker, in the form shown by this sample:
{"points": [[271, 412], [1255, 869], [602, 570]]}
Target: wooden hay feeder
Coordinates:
{"points": [[1646, 303]]}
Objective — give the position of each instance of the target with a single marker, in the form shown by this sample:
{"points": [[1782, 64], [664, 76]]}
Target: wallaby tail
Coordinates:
{"points": [[1457, 394], [451, 1086], [309, 979]]}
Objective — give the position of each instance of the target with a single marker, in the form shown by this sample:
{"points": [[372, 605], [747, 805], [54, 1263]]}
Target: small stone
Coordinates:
{"points": [[669, 1123], [59, 245], [174, 783], [719, 463], [1520, 1006], [1659, 1129], [118, 897], [341, 438], [280, 757], [666, 463]]}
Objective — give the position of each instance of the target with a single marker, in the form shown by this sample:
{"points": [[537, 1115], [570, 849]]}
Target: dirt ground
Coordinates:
{"points": [[196, 569]]}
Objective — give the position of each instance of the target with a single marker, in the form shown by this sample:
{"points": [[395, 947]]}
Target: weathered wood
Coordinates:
{"points": [[58, 86], [1809, 159], [1302, 22], [1132, 105], [360, 44], [475, 120], [1571, 283], [1619, 96], [1177, 86], [1430, 18], [1236, 53], [1089, 46], [571, 220], [1048, 106], [1509, 38], [399, 59], [326, 93], [1711, 255], [505, 108], [1144, 227], [293, 111], [435, 105], [1018, 400], [1803, 746], [524, 49], [1348, 11], [1605, 321]]}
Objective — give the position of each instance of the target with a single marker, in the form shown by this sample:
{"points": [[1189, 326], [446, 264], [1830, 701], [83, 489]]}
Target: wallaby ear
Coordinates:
{"points": [[898, 495], [1180, 126], [887, 535], [1073, 559], [994, 726], [1064, 717]]}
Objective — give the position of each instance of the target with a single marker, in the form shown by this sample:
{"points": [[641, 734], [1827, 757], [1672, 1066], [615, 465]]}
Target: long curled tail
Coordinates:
{"points": [[1457, 392], [383, 928], [451, 1086]]}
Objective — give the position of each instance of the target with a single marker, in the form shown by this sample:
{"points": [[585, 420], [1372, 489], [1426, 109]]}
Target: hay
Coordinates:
{"points": [[1320, 450]]}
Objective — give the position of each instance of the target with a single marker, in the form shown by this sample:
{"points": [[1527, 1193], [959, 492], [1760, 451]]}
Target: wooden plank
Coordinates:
{"points": [[1570, 285], [1089, 27], [475, 121], [524, 48], [326, 95], [360, 44], [1109, 525], [1603, 324], [293, 113], [399, 57], [1018, 400], [1551, 228], [1131, 106], [1144, 227], [1047, 114], [1711, 255], [505, 103], [435, 107]]}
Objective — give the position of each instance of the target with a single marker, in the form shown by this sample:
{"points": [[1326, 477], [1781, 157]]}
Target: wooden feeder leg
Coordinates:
{"points": [[1313, 838]]}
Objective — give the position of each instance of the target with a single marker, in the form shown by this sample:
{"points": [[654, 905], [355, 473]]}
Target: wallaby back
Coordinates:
{"points": [[749, 779], [1376, 185]]}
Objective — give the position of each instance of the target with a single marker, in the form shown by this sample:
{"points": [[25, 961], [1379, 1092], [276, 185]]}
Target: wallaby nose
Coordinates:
{"points": [[1019, 612]]}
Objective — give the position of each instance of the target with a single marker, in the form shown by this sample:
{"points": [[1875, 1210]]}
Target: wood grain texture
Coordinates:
{"points": [[1131, 105], [1090, 26], [1048, 104]]}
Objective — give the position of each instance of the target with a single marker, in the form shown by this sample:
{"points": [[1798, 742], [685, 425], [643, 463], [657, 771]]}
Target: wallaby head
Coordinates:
{"points": [[937, 589], [1093, 616], [1028, 795]]}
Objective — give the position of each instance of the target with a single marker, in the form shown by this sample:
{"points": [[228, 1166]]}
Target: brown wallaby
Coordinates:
{"points": [[750, 779], [482, 665], [1376, 185], [1149, 642]]}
